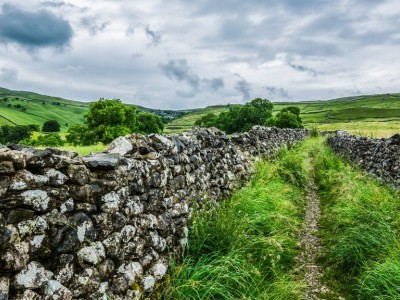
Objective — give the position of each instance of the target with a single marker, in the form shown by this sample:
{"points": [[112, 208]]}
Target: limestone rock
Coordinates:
{"points": [[33, 276]]}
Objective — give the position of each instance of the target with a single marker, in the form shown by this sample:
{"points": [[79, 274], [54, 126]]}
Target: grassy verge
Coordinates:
{"points": [[360, 227], [246, 248]]}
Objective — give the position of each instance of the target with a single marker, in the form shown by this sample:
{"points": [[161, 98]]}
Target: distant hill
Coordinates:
{"points": [[23, 108], [367, 108]]}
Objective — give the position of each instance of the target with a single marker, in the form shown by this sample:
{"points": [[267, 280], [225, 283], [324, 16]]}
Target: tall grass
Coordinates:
{"points": [[360, 227], [246, 248]]}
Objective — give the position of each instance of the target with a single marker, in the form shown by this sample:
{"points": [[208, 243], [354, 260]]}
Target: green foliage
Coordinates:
{"points": [[245, 248], [288, 117], [108, 119], [14, 134], [48, 140], [239, 118], [110, 112], [80, 135], [149, 123], [51, 126]]}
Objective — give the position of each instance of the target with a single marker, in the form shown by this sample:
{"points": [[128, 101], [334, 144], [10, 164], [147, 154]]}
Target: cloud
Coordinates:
{"points": [[33, 29], [154, 36], [94, 25], [179, 70], [302, 68], [8, 75], [57, 4], [244, 87], [214, 84], [277, 93]]}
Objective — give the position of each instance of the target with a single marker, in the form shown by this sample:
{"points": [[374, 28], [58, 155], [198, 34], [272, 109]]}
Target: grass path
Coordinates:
{"points": [[308, 226], [311, 246]]}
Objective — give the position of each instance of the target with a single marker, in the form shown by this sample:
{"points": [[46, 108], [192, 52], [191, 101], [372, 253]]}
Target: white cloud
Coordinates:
{"points": [[233, 50]]}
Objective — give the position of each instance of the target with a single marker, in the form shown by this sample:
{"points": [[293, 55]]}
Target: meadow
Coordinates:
{"points": [[247, 248]]}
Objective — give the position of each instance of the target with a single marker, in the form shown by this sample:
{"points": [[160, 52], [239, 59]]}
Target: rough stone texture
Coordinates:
{"points": [[104, 226], [380, 157]]}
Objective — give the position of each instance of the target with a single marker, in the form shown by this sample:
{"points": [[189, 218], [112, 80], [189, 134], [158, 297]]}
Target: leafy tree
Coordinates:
{"points": [[108, 119], [288, 117], [50, 140], [149, 123], [239, 119], [80, 135], [208, 120], [14, 134], [51, 126]]}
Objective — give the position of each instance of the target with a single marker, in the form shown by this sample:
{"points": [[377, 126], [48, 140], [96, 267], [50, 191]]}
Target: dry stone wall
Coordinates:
{"points": [[104, 226], [380, 157]]}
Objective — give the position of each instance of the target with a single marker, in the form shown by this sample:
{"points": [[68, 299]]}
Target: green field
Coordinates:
{"points": [[373, 115], [376, 115], [36, 109]]}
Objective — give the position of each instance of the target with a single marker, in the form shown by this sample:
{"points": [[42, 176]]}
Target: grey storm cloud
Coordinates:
{"points": [[302, 68], [244, 87], [214, 84], [33, 29], [277, 92], [179, 70], [8, 74], [154, 36], [94, 25]]}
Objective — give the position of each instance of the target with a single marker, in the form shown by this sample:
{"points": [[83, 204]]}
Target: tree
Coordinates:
{"points": [[51, 126], [108, 119], [49, 140], [80, 135], [105, 114], [14, 134], [288, 117], [149, 123], [239, 119]]}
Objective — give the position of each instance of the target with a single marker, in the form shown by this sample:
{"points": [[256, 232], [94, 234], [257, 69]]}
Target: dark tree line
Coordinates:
{"points": [[256, 112]]}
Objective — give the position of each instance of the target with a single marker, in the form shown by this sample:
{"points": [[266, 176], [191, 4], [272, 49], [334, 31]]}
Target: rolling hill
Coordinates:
{"points": [[369, 112]]}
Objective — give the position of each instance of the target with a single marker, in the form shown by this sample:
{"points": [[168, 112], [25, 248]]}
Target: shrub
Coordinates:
{"points": [[51, 126]]}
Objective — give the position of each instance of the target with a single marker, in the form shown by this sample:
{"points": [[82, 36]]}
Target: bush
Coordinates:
{"points": [[14, 134], [49, 140], [288, 117], [239, 119], [51, 126]]}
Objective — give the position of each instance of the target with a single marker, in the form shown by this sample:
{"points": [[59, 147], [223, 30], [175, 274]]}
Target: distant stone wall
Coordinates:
{"points": [[380, 157], [104, 226]]}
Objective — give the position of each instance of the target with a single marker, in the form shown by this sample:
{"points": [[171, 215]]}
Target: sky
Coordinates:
{"points": [[180, 54]]}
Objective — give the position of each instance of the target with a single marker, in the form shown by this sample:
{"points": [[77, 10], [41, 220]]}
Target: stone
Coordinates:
{"points": [[28, 295], [78, 230], [6, 167], [33, 276], [159, 270], [32, 227], [107, 161], [19, 214], [37, 199], [4, 288], [111, 202], [16, 257], [78, 174], [92, 254], [131, 271], [120, 145], [54, 290], [56, 178]]}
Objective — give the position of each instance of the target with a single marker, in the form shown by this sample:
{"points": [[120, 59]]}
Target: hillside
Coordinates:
{"points": [[23, 108], [381, 112], [341, 113]]}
